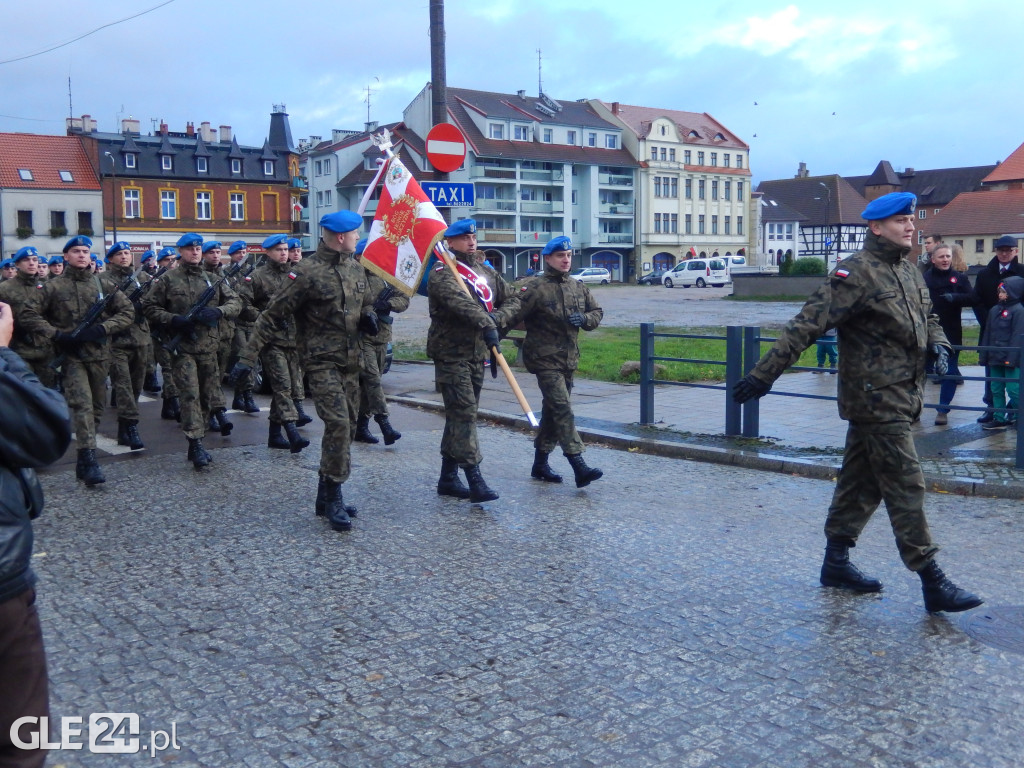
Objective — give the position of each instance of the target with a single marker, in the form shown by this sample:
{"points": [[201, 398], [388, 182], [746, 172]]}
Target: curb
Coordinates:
{"points": [[788, 465]]}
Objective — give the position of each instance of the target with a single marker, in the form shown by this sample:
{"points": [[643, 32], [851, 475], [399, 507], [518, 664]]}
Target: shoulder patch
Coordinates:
{"points": [[248, 278], [293, 276], [843, 273], [439, 267], [524, 289]]}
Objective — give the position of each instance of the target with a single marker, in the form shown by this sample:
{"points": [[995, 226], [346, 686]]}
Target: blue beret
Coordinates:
{"points": [[210, 244], [43, 260], [893, 204], [147, 256], [6, 263], [165, 253], [77, 240], [562, 243], [56, 260], [235, 247], [120, 245], [273, 240], [23, 253], [341, 221], [294, 242], [361, 246], [463, 227], [1006, 241], [190, 238]]}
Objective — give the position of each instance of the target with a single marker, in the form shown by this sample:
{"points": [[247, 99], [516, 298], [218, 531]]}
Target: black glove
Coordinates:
{"points": [[181, 324], [209, 316], [93, 333], [948, 297], [748, 388], [938, 357], [239, 371], [577, 319], [65, 341], [494, 364], [369, 324], [491, 337], [381, 305]]}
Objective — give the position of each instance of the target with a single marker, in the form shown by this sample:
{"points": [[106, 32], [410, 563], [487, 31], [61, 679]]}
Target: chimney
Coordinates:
{"points": [[802, 172], [615, 108], [190, 129], [314, 140], [521, 95], [206, 132], [225, 134], [908, 172], [339, 134], [130, 125], [371, 126], [88, 124], [163, 127]]}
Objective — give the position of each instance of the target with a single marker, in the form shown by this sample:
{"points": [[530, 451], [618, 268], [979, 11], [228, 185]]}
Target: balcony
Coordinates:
{"points": [[498, 174], [615, 209], [496, 235], [613, 238], [532, 175], [506, 206], [299, 182], [534, 236], [545, 208], [614, 180]]}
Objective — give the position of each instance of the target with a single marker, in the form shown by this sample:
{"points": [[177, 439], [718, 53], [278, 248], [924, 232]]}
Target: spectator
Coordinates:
{"points": [[827, 348], [950, 290], [1004, 330]]}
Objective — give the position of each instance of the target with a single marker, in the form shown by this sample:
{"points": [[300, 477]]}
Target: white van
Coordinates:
{"points": [[698, 272]]}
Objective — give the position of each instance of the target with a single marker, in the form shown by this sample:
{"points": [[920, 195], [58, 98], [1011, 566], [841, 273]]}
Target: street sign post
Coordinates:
{"points": [[453, 194], [446, 147]]}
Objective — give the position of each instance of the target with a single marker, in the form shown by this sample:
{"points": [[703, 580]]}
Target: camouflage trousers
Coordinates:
{"points": [[127, 371], [557, 423], [880, 463], [197, 378], [297, 374], [85, 389], [41, 368], [239, 340], [278, 363], [163, 357], [226, 345], [460, 382], [371, 395], [335, 393]]}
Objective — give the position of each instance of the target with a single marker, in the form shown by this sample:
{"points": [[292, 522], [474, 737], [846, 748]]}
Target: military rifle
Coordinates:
{"points": [[204, 298], [141, 288]]}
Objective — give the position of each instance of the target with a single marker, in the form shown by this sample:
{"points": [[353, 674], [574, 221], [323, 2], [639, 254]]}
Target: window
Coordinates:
{"points": [[714, 158], [84, 222], [739, 225], [236, 165], [25, 174], [591, 139], [166, 162], [168, 204], [318, 168], [611, 141], [327, 165], [700, 158], [203, 205], [657, 186], [979, 245], [789, 232], [132, 208], [268, 167], [671, 155], [728, 189], [739, 192], [574, 197], [129, 159], [936, 211], [654, 153], [327, 198], [25, 220], [202, 165], [574, 225], [739, 161], [922, 214], [320, 199], [714, 225], [66, 176], [728, 225], [714, 189], [521, 132], [686, 156], [688, 224], [548, 135], [664, 154], [570, 138], [700, 224], [496, 130], [725, 160], [688, 185], [58, 222], [959, 242], [673, 227], [237, 205], [920, 237], [657, 223], [700, 189]]}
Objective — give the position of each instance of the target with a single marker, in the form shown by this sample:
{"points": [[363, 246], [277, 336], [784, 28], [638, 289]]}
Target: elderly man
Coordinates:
{"points": [[887, 333]]}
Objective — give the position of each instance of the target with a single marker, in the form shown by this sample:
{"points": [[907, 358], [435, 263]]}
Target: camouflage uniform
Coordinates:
{"points": [[60, 305], [326, 294], [455, 345], [34, 349], [242, 333], [881, 307], [194, 362], [128, 349], [550, 350], [226, 331], [279, 352], [374, 349]]}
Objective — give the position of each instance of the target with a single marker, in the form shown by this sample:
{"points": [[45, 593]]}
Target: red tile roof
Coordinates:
{"points": [[989, 212], [639, 119], [44, 156], [1011, 169]]}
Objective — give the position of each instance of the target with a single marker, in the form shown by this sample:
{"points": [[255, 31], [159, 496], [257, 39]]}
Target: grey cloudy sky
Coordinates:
{"points": [[837, 85]]}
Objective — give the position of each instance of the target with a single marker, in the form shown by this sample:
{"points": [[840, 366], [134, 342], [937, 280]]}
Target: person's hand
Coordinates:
{"points": [[182, 324], [93, 333], [938, 356], [491, 337], [576, 319], [209, 316], [381, 305], [948, 297], [6, 324], [65, 341], [369, 324], [238, 371], [749, 388]]}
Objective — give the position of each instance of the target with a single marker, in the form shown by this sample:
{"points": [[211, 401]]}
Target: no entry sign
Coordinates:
{"points": [[446, 147]]}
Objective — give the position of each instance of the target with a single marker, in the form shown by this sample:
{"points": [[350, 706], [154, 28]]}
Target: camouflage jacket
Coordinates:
{"points": [[18, 292], [880, 305], [176, 292], [456, 319], [547, 301], [256, 291], [398, 302], [326, 294], [65, 300], [137, 334]]}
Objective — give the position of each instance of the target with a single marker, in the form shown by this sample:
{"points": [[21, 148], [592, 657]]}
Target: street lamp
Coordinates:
{"points": [[113, 195], [828, 225]]}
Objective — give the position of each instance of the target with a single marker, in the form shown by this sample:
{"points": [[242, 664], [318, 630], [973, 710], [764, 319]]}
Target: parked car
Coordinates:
{"points": [[738, 261], [652, 278], [698, 272], [592, 275]]}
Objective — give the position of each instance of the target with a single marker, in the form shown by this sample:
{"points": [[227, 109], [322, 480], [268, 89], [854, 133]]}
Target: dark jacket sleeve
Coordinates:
{"points": [[34, 426]]}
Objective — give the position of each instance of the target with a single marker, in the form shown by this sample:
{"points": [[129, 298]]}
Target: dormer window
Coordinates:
{"points": [[693, 135], [496, 130], [129, 159], [66, 176], [202, 165], [167, 162], [268, 167], [25, 174], [236, 165]]}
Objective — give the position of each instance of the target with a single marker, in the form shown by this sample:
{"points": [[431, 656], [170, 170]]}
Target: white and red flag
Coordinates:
{"points": [[405, 229]]}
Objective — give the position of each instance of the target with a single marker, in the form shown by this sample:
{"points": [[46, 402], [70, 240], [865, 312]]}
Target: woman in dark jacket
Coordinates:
{"points": [[951, 292]]}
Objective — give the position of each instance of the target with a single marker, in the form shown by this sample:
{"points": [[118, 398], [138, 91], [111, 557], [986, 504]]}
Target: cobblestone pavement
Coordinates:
{"points": [[667, 615]]}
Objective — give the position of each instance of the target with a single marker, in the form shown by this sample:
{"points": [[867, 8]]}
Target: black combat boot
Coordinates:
{"points": [[334, 507], [248, 404], [321, 503], [941, 594], [363, 434], [304, 418], [237, 403], [449, 484], [219, 420], [276, 439], [87, 470], [171, 409], [197, 454], [150, 384], [296, 442], [838, 571], [479, 491], [113, 398], [584, 475], [541, 469], [390, 433], [128, 434]]}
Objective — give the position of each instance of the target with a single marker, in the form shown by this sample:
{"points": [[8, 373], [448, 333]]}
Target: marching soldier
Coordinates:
{"points": [[226, 328], [330, 301], [149, 383], [34, 349], [243, 400], [554, 308], [55, 267], [277, 354], [462, 331], [298, 375], [61, 305], [194, 360], [170, 409], [374, 349]]}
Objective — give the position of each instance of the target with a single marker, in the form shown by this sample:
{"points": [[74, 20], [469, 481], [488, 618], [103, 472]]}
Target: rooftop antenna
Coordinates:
{"points": [[540, 88], [152, 122], [71, 112], [367, 99]]}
